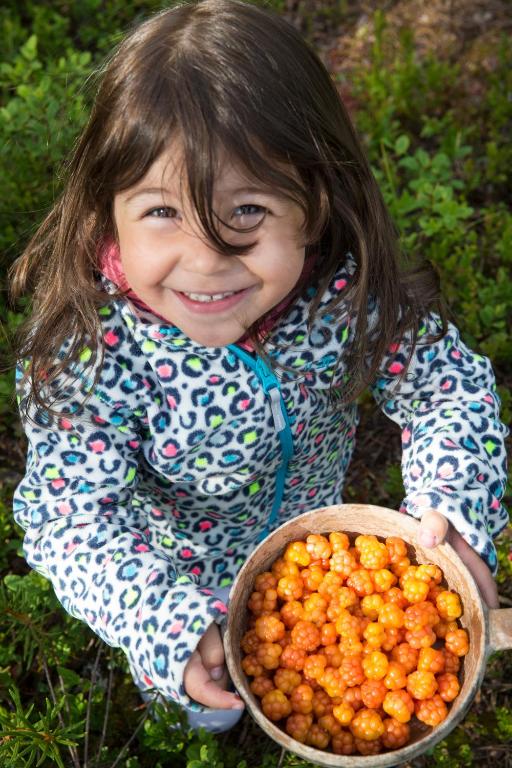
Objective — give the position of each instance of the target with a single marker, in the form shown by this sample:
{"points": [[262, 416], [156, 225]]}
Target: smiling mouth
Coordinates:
{"points": [[208, 297]]}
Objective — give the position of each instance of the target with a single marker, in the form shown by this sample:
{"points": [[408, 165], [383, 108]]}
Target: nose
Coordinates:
{"points": [[199, 256]]}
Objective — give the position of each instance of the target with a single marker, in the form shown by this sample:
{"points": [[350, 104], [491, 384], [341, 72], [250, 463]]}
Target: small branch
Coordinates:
{"points": [[72, 750], [132, 737], [94, 675], [107, 708]]}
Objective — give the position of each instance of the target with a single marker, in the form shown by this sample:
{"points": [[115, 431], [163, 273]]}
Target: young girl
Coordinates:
{"points": [[217, 283]]}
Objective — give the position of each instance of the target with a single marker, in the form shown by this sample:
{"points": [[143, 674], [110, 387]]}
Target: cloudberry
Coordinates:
{"points": [[338, 541], [374, 556], [431, 660], [361, 582], [312, 577], [395, 595], [421, 685], [367, 725], [333, 655], [421, 637], [343, 563], [368, 747], [398, 704], [290, 587], [318, 546], [268, 655], [396, 676], [317, 737], [345, 597], [397, 548], [330, 585], [250, 641], [275, 705], [297, 726], [431, 711], [264, 581], [346, 624], [343, 743], [373, 693], [343, 713], [375, 665], [406, 655], [442, 627], [293, 657], [448, 686], [415, 590], [251, 666], [305, 635], [282, 567], [287, 679], [422, 614], [371, 605], [322, 703], [296, 552], [350, 645], [429, 572], [269, 629], [451, 661], [328, 633], [448, 605], [330, 724], [314, 609], [400, 566], [392, 637], [374, 635], [351, 670], [395, 734], [261, 685], [315, 665], [391, 615], [291, 612], [301, 699], [457, 642], [383, 579], [255, 603], [333, 682], [353, 697]]}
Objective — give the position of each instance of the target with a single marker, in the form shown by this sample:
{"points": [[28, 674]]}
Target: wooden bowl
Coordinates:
{"points": [[489, 630]]}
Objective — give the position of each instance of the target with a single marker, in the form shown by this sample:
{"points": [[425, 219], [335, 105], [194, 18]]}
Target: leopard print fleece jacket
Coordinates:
{"points": [[139, 506]]}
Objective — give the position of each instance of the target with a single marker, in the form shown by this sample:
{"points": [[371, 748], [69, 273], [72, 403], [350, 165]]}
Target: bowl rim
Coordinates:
{"points": [[408, 527]]}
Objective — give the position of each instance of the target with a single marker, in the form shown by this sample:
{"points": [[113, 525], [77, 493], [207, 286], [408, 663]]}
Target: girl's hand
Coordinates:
{"points": [[206, 677], [435, 528]]}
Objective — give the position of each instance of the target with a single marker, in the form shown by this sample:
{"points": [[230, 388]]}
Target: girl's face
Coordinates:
{"points": [[211, 297]]}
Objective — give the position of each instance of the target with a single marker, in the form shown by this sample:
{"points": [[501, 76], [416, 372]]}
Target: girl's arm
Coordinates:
{"points": [[454, 459], [87, 536]]}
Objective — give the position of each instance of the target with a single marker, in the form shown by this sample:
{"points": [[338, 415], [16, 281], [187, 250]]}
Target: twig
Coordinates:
{"points": [[72, 750], [107, 708], [134, 734], [281, 757], [94, 674]]}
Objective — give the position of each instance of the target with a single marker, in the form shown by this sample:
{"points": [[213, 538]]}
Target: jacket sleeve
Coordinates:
{"points": [[454, 457], [86, 534]]}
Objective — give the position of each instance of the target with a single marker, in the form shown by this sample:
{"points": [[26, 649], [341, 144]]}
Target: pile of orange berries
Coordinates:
{"points": [[349, 641]]}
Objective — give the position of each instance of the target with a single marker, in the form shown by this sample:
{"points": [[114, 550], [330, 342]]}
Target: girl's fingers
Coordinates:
{"points": [[479, 570], [200, 687], [433, 528], [211, 651]]}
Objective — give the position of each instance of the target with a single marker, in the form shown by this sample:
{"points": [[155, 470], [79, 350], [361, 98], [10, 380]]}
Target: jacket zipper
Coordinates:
{"points": [[270, 385]]}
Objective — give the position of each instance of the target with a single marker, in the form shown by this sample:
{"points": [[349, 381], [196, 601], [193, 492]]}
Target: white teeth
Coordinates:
{"points": [[208, 296]]}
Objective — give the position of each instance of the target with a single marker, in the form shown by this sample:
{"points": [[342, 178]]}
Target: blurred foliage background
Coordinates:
{"points": [[430, 89]]}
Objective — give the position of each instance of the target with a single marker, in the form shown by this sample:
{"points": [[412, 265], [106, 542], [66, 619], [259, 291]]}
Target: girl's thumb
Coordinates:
{"points": [[433, 528]]}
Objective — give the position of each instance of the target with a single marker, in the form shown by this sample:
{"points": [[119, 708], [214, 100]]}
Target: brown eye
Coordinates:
{"points": [[248, 216], [163, 212]]}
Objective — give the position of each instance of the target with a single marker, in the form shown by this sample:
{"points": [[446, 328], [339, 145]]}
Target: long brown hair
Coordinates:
{"points": [[220, 74]]}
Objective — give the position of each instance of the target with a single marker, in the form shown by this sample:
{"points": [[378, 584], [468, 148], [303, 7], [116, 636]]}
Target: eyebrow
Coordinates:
{"points": [[146, 191]]}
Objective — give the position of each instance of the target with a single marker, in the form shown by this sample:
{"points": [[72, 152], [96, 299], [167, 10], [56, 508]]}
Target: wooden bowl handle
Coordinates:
{"points": [[500, 629]]}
